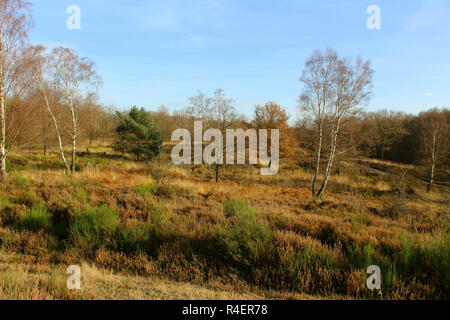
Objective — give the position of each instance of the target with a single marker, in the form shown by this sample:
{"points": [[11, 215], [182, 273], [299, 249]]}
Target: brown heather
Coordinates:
{"points": [[141, 231]]}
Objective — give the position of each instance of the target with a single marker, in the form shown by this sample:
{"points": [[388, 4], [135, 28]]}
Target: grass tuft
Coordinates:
{"points": [[146, 190], [246, 240], [36, 218], [91, 227]]}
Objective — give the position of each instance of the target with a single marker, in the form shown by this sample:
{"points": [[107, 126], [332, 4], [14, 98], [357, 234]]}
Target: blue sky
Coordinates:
{"points": [[151, 52]]}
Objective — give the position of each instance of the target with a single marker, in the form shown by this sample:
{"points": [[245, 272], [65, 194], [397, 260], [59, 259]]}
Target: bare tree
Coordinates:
{"points": [[352, 89], [435, 139], [201, 108], [333, 90], [388, 126], [164, 121], [224, 114], [43, 68], [75, 76], [273, 116], [318, 93], [15, 22], [91, 113]]}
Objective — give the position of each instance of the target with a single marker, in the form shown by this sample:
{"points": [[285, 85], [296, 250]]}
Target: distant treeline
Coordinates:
{"points": [[386, 135], [390, 135]]}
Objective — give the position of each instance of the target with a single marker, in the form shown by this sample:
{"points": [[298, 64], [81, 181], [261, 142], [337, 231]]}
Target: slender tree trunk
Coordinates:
{"points": [[74, 152], [330, 161], [74, 136], [3, 174], [58, 133], [318, 154], [45, 138], [433, 161], [430, 183]]}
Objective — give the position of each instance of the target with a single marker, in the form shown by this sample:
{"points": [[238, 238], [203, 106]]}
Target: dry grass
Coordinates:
{"points": [[19, 281], [172, 225]]}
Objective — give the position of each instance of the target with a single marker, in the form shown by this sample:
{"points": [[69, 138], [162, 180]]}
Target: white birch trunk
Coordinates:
{"points": [[333, 146], [3, 173], [318, 154], [433, 159], [58, 133]]}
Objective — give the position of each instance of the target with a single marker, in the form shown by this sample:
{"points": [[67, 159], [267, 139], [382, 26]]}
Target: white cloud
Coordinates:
{"points": [[429, 94]]}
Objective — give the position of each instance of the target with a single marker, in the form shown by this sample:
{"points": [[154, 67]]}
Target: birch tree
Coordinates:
{"points": [[352, 84], [434, 131], [15, 21], [317, 96], [435, 128], [43, 68], [333, 90], [75, 76]]}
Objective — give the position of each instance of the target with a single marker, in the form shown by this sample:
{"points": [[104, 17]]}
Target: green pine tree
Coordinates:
{"points": [[138, 134]]}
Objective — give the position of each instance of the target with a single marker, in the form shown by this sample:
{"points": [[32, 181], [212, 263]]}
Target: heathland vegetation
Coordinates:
{"points": [[354, 189]]}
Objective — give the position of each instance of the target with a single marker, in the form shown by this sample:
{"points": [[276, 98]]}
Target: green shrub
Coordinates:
{"points": [[311, 258], [247, 241], [359, 219], [61, 219], [19, 181], [37, 218], [144, 238], [363, 256], [4, 202], [135, 239], [157, 215], [437, 253], [93, 226], [427, 260], [81, 195], [233, 206], [146, 189]]}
